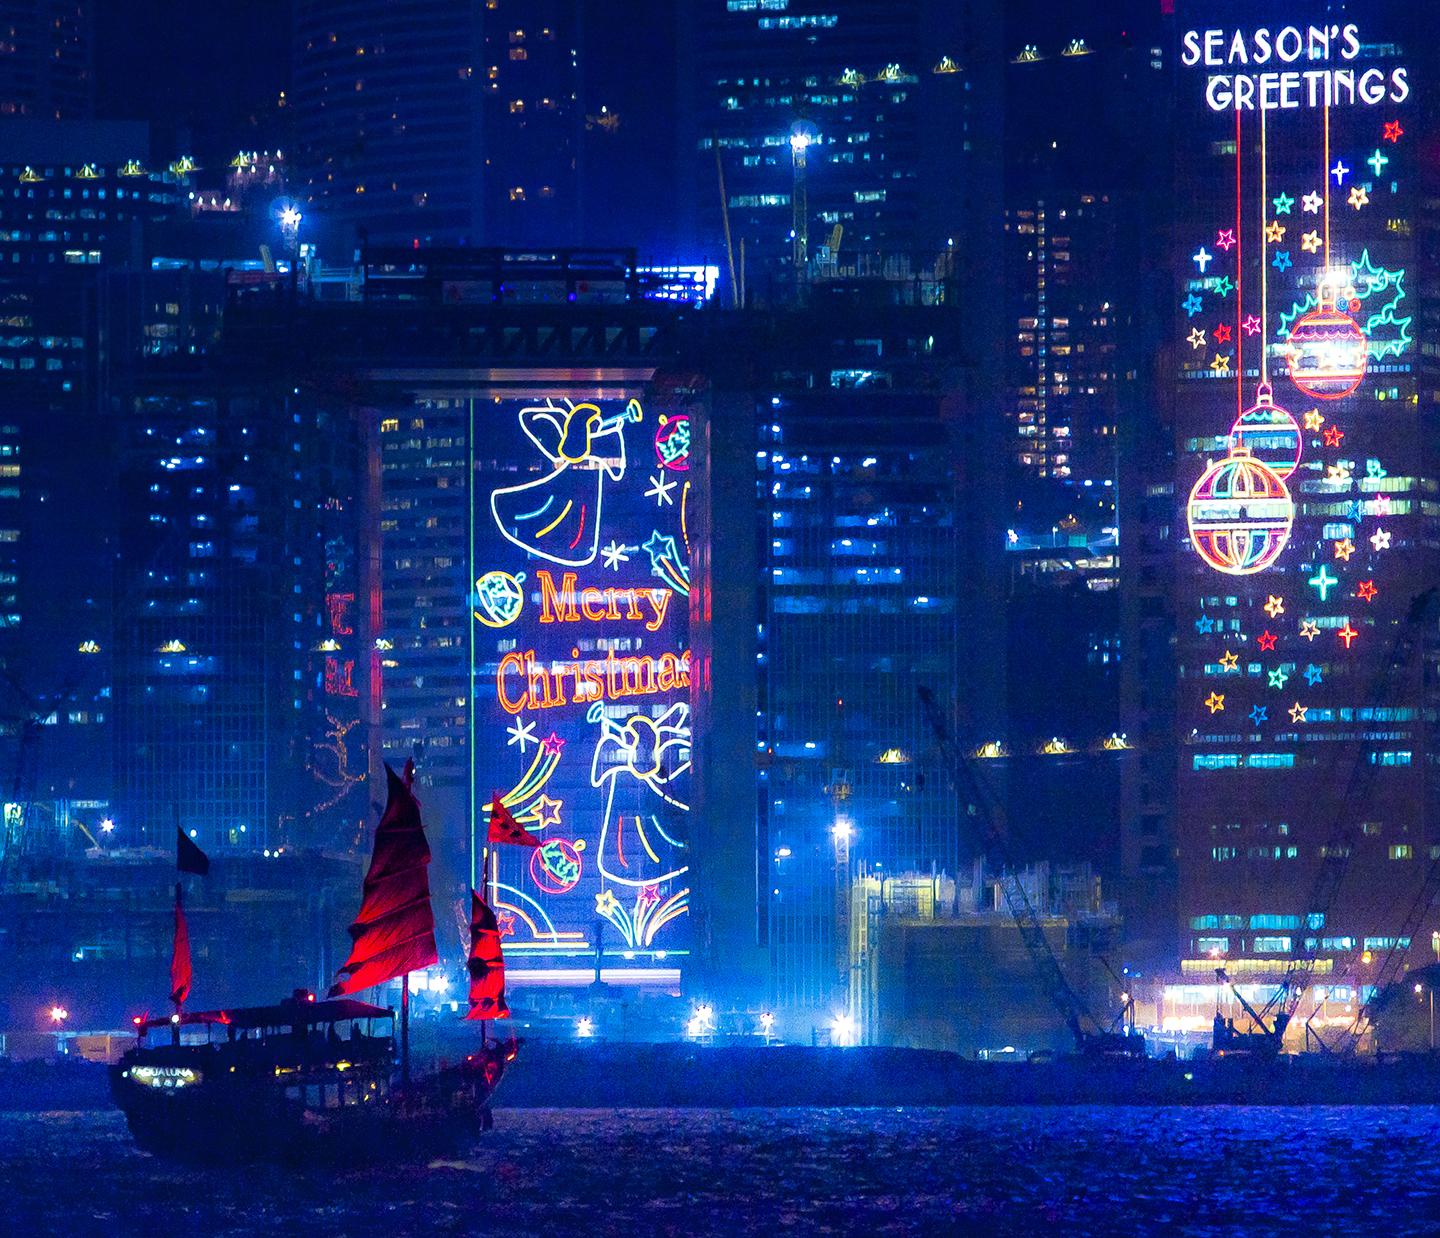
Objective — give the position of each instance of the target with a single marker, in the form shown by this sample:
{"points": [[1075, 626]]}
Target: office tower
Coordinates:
{"points": [[1302, 528], [47, 60]]}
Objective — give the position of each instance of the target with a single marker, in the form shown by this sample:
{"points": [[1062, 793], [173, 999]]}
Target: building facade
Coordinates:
{"points": [[1302, 516]]}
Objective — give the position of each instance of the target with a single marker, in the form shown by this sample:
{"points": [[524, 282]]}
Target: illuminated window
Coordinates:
{"points": [[546, 191], [517, 194], [1272, 945], [1213, 945], [518, 53], [517, 105], [1402, 851], [390, 423]]}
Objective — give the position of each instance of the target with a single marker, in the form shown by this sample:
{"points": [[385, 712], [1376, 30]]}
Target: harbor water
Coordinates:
{"points": [[1077, 1170]]}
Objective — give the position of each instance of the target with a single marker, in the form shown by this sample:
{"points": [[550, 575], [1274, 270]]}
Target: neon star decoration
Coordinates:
{"points": [[1337, 473], [1347, 634], [1380, 505], [1281, 261], [1251, 325], [1313, 674], [1298, 712], [1378, 161], [1222, 333], [1333, 436], [1204, 625], [1311, 202], [665, 562], [552, 744], [1314, 420], [1344, 548], [1202, 258], [1358, 197], [1224, 288], [1278, 677], [1310, 242], [1221, 364], [521, 733], [1215, 701], [1274, 232], [1196, 338], [1373, 468], [1266, 641], [1282, 204], [1309, 629], [1226, 239], [1230, 661], [1339, 171], [1366, 590], [1380, 539], [1258, 714], [660, 488], [1392, 131], [1324, 582], [1192, 305], [1274, 606]]}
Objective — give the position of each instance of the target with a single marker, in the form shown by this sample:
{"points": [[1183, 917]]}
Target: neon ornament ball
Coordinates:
{"points": [[1240, 514], [1269, 433], [1327, 352]]}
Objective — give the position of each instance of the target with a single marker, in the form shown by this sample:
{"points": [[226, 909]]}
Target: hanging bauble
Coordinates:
{"points": [[1327, 352], [1269, 433], [1240, 513]]}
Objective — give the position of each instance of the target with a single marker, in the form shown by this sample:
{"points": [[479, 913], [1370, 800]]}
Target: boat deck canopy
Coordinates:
{"points": [[289, 1013]]}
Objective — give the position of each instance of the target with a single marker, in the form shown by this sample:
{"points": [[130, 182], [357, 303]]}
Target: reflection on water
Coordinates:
{"points": [[1071, 1171]]}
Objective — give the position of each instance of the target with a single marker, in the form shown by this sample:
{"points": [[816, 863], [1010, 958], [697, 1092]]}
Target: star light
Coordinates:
{"points": [[1373, 468], [505, 921], [1251, 325], [1380, 505], [660, 488], [605, 903], [1309, 629], [616, 553], [1204, 625], [1221, 365], [1324, 582], [552, 744], [1283, 203], [1344, 549], [1313, 419], [1380, 539], [1333, 436], [1298, 712], [1266, 641], [521, 733], [1230, 661], [1337, 472], [1366, 590], [1278, 677], [1192, 305], [1222, 333], [1339, 172], [1274, 231], [1311, 202], [1310, 242], [1281, 261], [1392, 131], [1224, 287], [548, 811], [1347, 634], [1358, 197], [1226, 239], [1258, 714], [1202, 258], [1196, 338], [1313, 674], [1378, 161], [1216, 702], [1274, 606]]}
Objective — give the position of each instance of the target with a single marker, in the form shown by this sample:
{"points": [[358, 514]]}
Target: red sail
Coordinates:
{"points": [[505, 829], [395, 930], [487, 963], [180, 974]]}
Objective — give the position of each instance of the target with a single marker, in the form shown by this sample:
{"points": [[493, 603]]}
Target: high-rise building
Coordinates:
{"points": [[47, 66], [1301, 518], [843, 140]]}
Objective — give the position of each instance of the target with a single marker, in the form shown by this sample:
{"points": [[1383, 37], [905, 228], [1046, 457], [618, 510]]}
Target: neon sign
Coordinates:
{"points": [[581, 659]]}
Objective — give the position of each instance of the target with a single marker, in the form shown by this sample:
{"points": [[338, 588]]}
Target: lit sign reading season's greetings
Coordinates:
{"points": [[581, 692]]}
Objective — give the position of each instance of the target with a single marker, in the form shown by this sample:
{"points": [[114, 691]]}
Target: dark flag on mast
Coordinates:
{"points": [[486, 964], [180, 974], [188, 857]]}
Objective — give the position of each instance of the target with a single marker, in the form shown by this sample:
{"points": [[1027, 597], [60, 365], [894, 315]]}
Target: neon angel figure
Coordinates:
{"points": [[557, 517], [644, 748]]}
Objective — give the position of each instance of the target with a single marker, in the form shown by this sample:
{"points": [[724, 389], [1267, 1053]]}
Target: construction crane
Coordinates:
{"points": [[1090, 1037], [1272, 1020], [1394, 961]]}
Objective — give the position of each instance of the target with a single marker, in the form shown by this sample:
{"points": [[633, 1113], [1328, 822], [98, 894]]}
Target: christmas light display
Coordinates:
{"points": [[1240, 514], [1268, 433], [1327, 353]]}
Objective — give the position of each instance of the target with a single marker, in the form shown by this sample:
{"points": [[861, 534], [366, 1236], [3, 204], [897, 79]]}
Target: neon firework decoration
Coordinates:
{"points": [[582, 674]]}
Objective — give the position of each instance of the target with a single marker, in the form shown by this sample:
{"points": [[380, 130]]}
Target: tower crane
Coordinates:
{"points": [[1091, 1038]]}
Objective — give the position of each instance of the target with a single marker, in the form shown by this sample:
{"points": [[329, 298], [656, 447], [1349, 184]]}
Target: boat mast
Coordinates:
{"points": [[405, 1028]]}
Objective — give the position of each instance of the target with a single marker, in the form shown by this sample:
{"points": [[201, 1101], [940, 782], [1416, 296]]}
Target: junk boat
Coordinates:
{"points": [[307, 1079]]}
